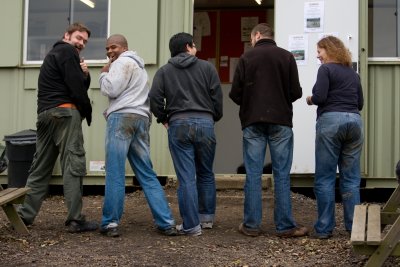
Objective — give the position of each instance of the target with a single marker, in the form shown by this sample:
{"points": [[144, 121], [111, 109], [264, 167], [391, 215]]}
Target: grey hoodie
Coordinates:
{"points": [[126, 85]]}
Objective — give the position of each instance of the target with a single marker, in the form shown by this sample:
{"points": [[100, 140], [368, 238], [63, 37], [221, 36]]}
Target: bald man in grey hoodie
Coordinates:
{"points": [[125, 82]]}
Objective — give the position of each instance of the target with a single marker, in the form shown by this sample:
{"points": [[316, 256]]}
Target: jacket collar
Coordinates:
{"points": [[265, 41]]}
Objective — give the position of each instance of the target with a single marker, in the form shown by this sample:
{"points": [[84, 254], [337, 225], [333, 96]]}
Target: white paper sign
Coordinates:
{"points": [[314, 16]]}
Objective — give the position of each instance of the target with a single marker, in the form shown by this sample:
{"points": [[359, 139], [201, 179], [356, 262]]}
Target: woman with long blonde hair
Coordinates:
{"points": [[339, 134]]}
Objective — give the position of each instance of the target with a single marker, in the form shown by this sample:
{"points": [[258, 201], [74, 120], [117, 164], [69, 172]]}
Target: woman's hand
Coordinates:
{"points": [[309, 101]]}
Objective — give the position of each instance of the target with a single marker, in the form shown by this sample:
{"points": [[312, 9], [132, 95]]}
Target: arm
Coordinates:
{"points": [[115, 81], [360, 97], [321, 87], [216, 94], [78, 84], [237, 84], [295, 89], [157, 98]]}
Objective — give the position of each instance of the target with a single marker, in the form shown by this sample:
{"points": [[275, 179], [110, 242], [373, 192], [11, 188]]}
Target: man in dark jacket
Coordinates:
{"points": [[186, 97], [63, 103], [265, 84]]}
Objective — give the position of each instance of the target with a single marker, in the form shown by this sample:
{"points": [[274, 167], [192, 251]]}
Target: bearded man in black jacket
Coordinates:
{"points": [[265, 84], [63, 103]]}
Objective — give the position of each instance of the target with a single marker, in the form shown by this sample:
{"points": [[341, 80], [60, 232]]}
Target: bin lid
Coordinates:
{"points": [[22, 137]]}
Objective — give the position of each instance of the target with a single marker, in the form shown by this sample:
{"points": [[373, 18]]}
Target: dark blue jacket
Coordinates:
{"points": [[337, 89]]}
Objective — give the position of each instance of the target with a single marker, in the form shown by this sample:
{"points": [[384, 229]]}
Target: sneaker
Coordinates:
{"points": [[180, 231], [206, 225], [321, 236], [169, 231], [81, 226], [110, 230], [298, 231], [249, 231]]}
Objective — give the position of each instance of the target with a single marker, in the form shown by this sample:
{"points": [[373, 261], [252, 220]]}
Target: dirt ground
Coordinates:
{"points": [[141, 245]]}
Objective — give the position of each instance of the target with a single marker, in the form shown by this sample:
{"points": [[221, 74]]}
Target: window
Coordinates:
{"points": [[46, 21], [383, 28]]}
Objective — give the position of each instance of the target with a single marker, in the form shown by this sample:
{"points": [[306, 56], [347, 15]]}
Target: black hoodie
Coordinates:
{"points": [[61, 80], [186, 84]]}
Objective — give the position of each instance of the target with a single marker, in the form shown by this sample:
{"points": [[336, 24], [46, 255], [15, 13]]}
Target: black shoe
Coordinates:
{"points": [[249, 231], [110, 231], [169, 231], [25, 222], [320, 236], [78, 227]]}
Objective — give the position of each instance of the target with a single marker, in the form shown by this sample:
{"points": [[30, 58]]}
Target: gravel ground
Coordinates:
{"points": [[141, 245]]}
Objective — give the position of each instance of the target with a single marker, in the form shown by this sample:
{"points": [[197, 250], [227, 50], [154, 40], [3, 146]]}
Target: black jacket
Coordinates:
{"points": [[61, 80], [186, 84], [265, 84]]}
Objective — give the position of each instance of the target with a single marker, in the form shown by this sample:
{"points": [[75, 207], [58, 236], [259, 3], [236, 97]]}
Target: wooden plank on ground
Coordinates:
{"points": [[388, 246], [11, 194], [359, 225], [374, 225], [15, 220], [394, 201]]}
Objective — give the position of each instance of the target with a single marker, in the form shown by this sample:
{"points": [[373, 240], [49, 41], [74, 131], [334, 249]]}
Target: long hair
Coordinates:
{"points": [[335, 50]]}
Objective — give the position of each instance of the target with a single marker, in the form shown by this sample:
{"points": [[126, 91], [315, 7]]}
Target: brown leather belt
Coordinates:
{"points": [[67, 105]]}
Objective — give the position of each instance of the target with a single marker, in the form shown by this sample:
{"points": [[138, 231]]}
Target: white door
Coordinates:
{"points": [[299, 25]]}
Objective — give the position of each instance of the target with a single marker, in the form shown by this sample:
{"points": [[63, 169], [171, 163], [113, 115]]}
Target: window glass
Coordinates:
{"points": [[382, 28], [48, 19]]}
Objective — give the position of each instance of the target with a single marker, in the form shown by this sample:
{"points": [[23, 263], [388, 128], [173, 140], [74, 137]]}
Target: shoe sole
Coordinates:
{"points": [[253, 233]]}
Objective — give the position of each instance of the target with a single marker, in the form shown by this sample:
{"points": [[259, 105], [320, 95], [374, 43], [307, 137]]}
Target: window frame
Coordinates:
{"points": [[25, 38]]}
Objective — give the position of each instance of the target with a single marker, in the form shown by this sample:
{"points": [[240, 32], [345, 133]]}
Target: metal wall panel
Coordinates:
{"points": [[382, 143], [11, 29]]}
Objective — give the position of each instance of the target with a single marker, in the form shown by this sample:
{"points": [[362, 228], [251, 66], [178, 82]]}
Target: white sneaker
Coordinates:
{"points": [[206, 225], [180, 230]]}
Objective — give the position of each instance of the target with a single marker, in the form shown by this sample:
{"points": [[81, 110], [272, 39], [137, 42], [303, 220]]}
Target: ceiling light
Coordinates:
{"points": [[258, 1], [90, 3]]}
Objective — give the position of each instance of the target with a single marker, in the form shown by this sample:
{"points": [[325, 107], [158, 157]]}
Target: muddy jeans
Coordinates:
{"points": [[338, 143], [59, 132]]}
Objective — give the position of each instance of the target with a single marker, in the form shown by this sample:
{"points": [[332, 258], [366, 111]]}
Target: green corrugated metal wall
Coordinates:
{"points": [[382, 144], [18, 83]]}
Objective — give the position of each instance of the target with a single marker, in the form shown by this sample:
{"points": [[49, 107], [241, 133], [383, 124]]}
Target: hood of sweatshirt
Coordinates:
{"points": [[134, 56], [182, 60]]}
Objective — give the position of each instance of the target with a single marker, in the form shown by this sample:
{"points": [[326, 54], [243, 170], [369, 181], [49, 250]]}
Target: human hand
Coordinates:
{"points": [[106, 67], [309, 101], [166, 125], [84, 67]]}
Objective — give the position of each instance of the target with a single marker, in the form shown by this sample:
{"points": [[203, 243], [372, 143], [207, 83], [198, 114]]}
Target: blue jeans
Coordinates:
{"points": [[192, 146], [256, 137], [127, 136], [338, 143]]}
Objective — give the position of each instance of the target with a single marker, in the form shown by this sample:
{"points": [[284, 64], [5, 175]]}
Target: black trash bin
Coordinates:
{"points": [[20, 148]]}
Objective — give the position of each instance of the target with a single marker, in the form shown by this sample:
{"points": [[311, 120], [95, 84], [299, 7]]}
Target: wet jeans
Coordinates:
{"points": [[256, 137], [192, 146], [127, 136], [338, 143]]}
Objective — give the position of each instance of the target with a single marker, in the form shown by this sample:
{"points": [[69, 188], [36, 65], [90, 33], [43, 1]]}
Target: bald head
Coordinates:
{"points": [[118, 39], [116, 45]]}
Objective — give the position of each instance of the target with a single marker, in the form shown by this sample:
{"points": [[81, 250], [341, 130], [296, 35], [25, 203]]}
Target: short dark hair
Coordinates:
{"points": [[178, 42], [77, 26], [264, 29]]}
